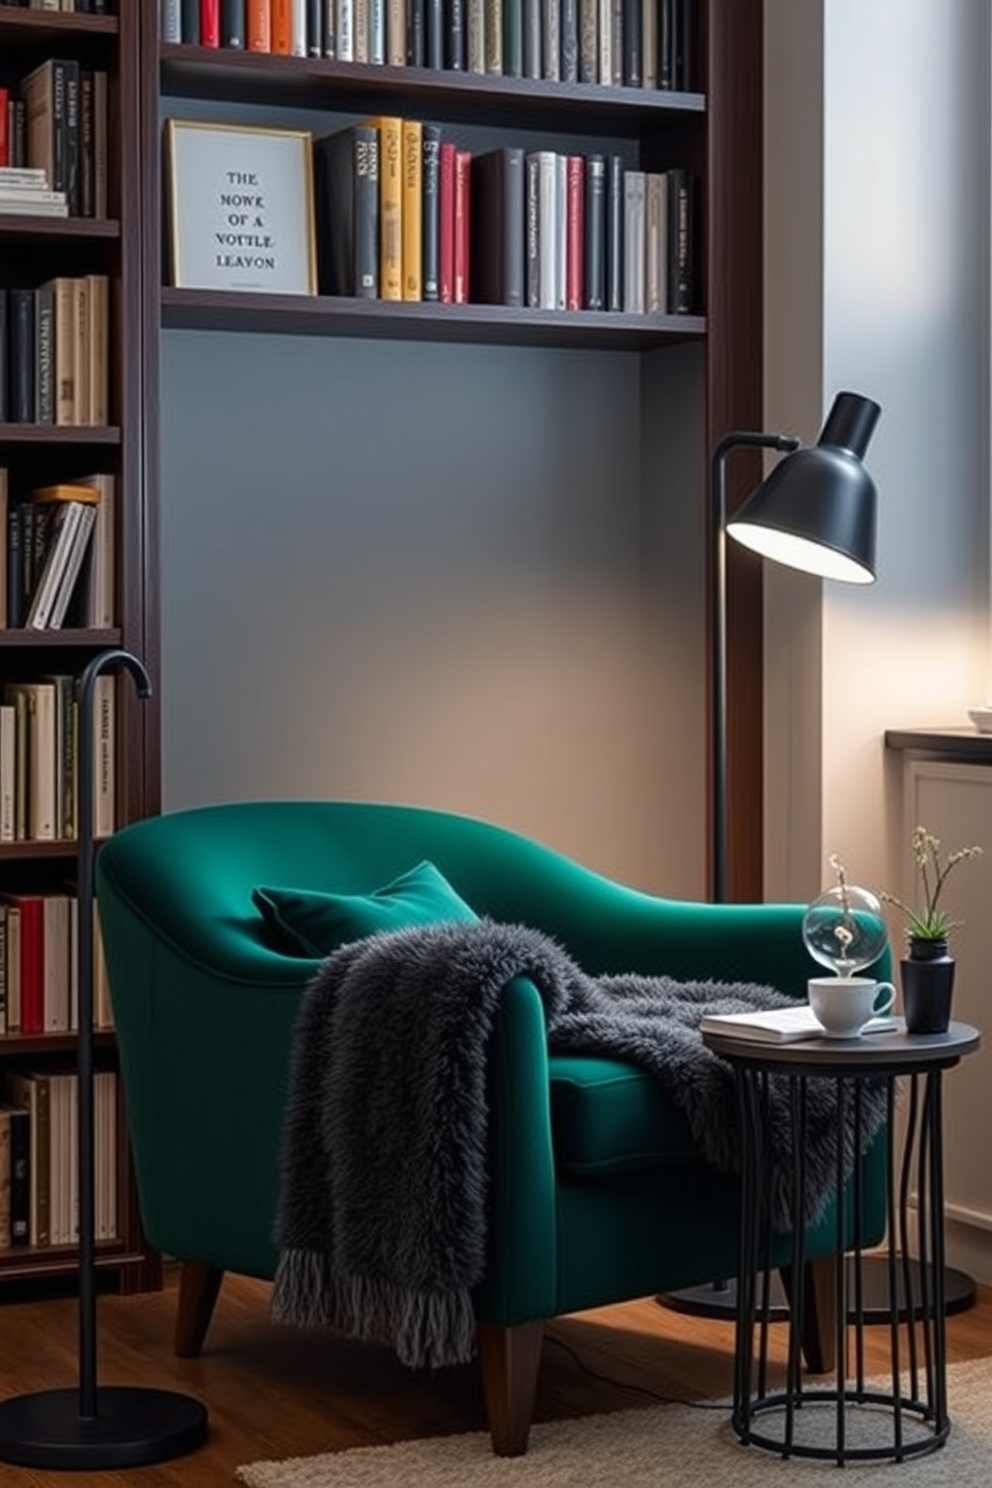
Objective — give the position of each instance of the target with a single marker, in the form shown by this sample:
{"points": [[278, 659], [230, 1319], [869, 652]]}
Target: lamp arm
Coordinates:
{"points": [[736, 439]]}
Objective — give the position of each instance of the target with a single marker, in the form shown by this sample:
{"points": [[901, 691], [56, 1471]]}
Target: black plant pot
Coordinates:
{"points": [[927, 985]]}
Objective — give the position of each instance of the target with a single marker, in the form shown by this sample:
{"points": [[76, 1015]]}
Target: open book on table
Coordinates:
{"points": [[781, 1025]]}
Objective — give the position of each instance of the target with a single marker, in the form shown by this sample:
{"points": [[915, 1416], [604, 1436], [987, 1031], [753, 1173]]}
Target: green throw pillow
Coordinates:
{"points": [[305, 922]]}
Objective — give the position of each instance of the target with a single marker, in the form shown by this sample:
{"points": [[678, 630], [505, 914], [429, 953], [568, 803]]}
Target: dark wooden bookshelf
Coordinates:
{"points": [[716, 131], [325, 315], [32, 249]]}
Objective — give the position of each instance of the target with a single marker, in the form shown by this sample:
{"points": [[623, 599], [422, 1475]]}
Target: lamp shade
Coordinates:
{"points": [[816, 510]]}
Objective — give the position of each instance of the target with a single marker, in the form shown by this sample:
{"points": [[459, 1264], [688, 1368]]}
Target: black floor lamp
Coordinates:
{"points": [[815, 511], [110, 1426]]}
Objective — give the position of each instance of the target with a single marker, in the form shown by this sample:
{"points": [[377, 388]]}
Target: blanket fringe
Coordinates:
{"points": [[425, 1328]]}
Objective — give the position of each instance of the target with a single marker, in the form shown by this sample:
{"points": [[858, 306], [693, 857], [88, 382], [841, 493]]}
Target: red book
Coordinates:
{"points": [[446, 223], [210, 23], [32, 934], [463, 197], [4, 127], [575, 231]]}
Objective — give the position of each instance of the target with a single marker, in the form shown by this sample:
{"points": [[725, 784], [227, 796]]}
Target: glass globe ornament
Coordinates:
{"points": [[845, 929]]}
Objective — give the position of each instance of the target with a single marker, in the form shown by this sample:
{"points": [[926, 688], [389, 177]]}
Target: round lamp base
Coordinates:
{"points": [[132, 1428]]}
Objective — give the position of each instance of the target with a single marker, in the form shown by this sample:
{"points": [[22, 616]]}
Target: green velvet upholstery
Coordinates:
{"points": [[596, 1191]]}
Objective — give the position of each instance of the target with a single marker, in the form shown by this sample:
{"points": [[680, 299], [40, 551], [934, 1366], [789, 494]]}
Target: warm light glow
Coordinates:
{"points": [[799, 552]]}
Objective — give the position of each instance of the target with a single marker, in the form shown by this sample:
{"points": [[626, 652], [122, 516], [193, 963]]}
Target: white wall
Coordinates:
{"points": [[894, 170], [877, 220]]}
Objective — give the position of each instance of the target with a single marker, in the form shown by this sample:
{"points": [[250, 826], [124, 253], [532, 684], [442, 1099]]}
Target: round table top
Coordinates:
{"points": [[896, 1050]]}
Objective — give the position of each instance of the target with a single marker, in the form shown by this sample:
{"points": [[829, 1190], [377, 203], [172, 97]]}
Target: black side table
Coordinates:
{"points": [[863, 1423]]}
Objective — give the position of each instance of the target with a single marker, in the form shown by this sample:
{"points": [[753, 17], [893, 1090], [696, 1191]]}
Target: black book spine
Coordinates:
{"points": [[633, 61], [327, 36], [681, 242], [666, 43], [595, 233], [315, 28], [434, 34], [191, 22], [430, 225], [232, 24], [15, 581], [21, 340], [18, 132], [366, 212], [614, 232], [87, 164], [497, 225], [570, 40], [73, 186], [531, 40], [20, 1176], [416, 40], [454, 26], [685, 52], [4, 360]]}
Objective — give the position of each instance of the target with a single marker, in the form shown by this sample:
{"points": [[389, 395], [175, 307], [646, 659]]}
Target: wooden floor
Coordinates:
{"points": [[273, 1392]]}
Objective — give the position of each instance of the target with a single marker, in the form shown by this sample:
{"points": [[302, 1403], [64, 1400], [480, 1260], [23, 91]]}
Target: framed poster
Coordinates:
{"points": [[240, 207]]}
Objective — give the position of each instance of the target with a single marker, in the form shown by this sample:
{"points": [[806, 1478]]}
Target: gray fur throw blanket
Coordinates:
{"points": [[382, 1223]]}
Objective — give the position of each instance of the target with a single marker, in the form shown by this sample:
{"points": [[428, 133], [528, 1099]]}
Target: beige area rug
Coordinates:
{"points": [[663, 1444]]}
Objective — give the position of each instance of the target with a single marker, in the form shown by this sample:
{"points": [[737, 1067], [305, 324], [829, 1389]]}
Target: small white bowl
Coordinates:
{"points": [[982, 718]]}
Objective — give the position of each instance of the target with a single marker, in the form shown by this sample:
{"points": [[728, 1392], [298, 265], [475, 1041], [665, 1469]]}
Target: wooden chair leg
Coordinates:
{"points": [[510, 1360], [198, 1289], [819, 1333]]}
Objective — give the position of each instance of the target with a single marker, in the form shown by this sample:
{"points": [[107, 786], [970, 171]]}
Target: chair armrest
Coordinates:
{"points": [[521, 1271]]}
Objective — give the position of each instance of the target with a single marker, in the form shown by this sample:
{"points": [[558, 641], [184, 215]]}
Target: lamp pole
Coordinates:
{"points": [[737, 439]]}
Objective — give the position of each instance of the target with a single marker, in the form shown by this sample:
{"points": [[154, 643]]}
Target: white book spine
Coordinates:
{"points": [[547, 208], [377, 31], [171, 25], [561, 230], [633, 242], [298, 29], [605, 43], [344, 16]]}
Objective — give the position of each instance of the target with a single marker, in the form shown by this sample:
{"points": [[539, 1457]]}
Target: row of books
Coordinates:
{"points": [[55, 119], [54, 352], [39, 985], [39, 1157], [39, 774], [630, 43], [57, 555], [405, 214]]}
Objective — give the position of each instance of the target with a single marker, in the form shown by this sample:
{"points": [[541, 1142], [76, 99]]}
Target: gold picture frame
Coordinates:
{"points": [[240, 207]]}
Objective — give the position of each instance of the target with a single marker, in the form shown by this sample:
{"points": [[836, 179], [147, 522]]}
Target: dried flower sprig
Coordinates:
{"points": [[843, 930], [931, 922]]}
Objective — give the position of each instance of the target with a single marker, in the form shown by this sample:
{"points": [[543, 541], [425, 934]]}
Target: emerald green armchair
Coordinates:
{"points": [[597, 1192]]}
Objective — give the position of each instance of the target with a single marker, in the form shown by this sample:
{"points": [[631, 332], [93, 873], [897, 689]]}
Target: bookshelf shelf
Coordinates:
{"points": [[68, 636], [43, 229], [194, 309], [311, 82], [57, 27], [59, 434]]}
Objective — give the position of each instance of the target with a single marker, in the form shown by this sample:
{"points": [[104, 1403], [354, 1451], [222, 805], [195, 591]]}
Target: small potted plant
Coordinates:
{"points": [[928, 970]]}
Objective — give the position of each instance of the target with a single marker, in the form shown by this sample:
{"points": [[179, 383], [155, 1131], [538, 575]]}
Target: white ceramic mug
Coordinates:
{"points": [[843, 1005]]}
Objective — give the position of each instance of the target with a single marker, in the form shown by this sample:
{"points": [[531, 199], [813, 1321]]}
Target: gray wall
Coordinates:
{"points": [[416, 573]]}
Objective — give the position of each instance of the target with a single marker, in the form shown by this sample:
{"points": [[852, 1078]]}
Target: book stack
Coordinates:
{"points": [[25, 192], [39, 1173], [616, 43], [781, 1025], [404, 213]]}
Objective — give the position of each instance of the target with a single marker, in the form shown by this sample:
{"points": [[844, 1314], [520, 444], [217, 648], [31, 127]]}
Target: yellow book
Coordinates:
{"points": [[390, 207], [64, 361], [97, 347], [81, 348], [412, 210]]}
